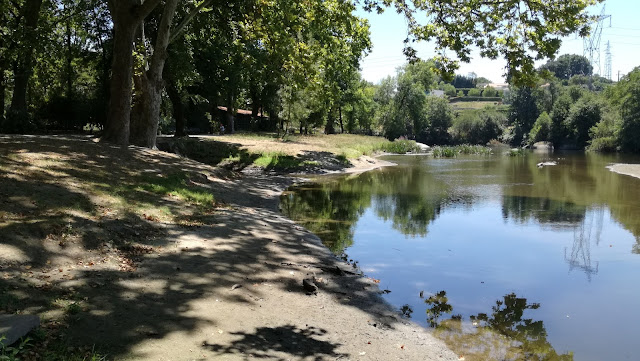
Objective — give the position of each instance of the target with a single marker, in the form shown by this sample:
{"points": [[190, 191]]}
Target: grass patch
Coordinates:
{"points": [[277, 160], [177, 185], [454, 151], [39, 345]]}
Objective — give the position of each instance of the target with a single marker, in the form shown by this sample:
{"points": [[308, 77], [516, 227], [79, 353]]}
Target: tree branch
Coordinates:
{"points": [[145, 9], [180, 28]]}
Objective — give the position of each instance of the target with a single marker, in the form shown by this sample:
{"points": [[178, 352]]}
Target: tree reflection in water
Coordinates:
{"points": [[504, 334]]}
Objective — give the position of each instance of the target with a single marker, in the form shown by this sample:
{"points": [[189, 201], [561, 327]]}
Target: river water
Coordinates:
{"points": [[503, 259]]}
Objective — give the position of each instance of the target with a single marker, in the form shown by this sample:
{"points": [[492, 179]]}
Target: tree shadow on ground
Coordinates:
{"points": [[107, 275], [288, 340]]}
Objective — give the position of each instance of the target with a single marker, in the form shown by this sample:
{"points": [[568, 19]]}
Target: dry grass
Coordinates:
{"points": [[472, 105], [349, 145]]}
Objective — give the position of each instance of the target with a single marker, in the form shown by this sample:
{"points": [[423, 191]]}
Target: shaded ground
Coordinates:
{"points": [[121, 250]]}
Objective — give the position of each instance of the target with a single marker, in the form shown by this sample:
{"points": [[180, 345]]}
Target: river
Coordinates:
{"points": [[503, 259]]}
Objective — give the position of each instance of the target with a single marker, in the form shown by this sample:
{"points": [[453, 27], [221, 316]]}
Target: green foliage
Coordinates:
{"points": [[541, 129], [454, 151], [14, 353], [477, 126], [462, 81], [177, 185], [439, 116], [489, 92], [277, 160], [626, 96], [474, 92], [523, 113], [583, 115], [405, 113], [401, 146], [536, 27], [558, 131], [568, 65], [603, 134], [449, 90]]}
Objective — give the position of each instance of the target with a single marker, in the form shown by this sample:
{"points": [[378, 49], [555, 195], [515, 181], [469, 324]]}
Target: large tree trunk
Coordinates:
{"points": [[177, 108], [231, 111], [24, 63], [126, 16], [145, 131], [119, 114], [341, 125], [328, 128], [3, 88]]}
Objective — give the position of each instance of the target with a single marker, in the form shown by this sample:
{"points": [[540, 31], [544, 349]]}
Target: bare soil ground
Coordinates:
{"points": [[115, 258]]}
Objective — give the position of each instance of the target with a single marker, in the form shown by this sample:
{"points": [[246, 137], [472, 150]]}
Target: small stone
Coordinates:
{"points": [[309, 286]]}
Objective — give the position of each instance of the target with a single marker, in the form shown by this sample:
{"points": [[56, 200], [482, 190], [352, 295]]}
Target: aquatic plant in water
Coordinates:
{"points": [[453, 151]]}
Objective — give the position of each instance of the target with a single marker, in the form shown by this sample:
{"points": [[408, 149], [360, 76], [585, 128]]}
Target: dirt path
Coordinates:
{"points": [[226, 289]]}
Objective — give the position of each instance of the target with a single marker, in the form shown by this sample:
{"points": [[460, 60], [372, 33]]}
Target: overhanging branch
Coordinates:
{"points": [[180, 28]]}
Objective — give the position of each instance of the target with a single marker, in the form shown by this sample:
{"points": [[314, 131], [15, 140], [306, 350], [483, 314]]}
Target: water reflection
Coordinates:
{"points": [[503, 334], [554, 213], [580, 256], [567, 235], [413, 195]]}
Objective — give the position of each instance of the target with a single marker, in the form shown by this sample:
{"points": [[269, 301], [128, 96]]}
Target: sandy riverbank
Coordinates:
{"points": [[225, 285], [626, 169]]}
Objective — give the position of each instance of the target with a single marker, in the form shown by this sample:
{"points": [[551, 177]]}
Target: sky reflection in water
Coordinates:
{"points": [[534, 263]]}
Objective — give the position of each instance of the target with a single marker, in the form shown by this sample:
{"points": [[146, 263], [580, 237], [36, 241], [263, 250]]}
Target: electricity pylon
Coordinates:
{"points": [[591, 43]]}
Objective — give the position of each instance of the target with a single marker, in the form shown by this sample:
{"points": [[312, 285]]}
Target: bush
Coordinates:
{"points": [[449, 90], [477, 126], [400, 146], [474, 92], [453, 151], [541, 129]]}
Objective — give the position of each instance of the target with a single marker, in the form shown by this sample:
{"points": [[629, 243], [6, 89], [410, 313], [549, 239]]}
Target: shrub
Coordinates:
{"points": [[453, 151], [401, 146], [477, 126], [474, 92], [541, 129]]}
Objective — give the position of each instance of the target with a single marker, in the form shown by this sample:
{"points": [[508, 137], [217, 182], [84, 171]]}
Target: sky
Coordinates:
{"points": [[389, 29]]}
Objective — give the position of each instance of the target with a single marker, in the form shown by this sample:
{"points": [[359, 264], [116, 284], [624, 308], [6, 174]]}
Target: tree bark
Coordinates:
{"points": [[126, 16], [3, 88], [119, 113], [329, 129], [145, 131], [341, 125], [231, 110], [24, 64]]}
